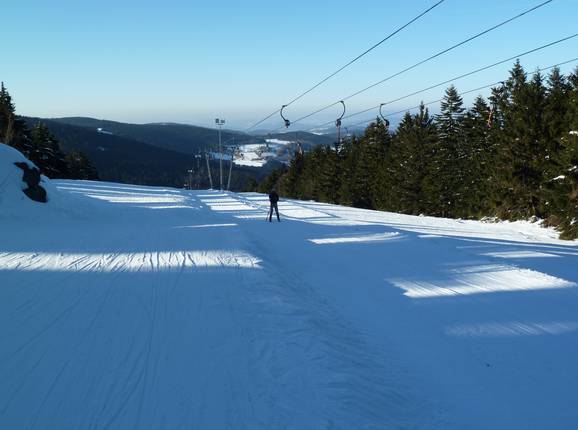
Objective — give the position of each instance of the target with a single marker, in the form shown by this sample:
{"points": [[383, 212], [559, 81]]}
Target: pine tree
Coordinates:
{"points": [[367, 157], [349, 153], [330, 175], [476, 162], [556, 107], [450, 120], [6, 116], [566, 202], [554, 190], [401, 179], [13, 130], [46, 154], [523, 149], [444, 181], [79, 167], [271, 181], [499, 168], [290, 184]]}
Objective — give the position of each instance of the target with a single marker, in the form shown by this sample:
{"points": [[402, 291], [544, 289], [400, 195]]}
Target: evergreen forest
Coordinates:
{"points": [[512, 156], [40, 146]]}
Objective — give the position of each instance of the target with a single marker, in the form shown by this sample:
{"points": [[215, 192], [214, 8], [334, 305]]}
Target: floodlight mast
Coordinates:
{"points": [[220, 122], [209, 169], [233, 150], [190, 172]]}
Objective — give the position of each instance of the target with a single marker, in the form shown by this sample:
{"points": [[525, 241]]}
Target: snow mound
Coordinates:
{"points": [[13, 201], [14, 204]]}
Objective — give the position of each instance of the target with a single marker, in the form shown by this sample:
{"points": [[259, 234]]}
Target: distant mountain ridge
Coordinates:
{"points": [[163, 153], [183, 138], [188, 139], [118, 157], [124, 159]]}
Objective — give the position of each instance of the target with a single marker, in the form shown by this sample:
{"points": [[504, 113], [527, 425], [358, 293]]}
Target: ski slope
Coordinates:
{"points": [[130, 307]]}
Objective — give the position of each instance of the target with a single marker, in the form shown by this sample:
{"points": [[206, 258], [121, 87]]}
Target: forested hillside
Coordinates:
{"points": [[39, 145], [182, 138], [511, 156]]}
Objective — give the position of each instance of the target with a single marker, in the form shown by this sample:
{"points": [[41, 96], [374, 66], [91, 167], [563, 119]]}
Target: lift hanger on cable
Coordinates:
{"points": [[384, 119], [287, 122], [338, 122]]}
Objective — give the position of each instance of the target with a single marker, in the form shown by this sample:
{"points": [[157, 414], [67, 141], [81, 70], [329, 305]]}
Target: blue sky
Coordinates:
{"points": [[187, 62]]}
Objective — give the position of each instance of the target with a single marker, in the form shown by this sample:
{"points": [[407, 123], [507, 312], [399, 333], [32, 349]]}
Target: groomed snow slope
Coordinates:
{"points": [[151, 308]]}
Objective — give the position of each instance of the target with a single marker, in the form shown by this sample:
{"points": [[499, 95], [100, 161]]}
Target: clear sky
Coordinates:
{"points": [[190, 62]]}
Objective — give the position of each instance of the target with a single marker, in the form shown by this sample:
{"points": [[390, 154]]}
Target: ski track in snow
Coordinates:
{"points": [[169, 309]]}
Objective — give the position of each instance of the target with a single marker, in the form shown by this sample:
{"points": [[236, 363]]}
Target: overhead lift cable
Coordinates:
{"points": [[407, 69], [389, 115], [367, 51], [481, 69]]}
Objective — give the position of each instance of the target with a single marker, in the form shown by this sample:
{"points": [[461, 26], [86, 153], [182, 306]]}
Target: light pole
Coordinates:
{"points": [[209, 169], [233, 149], [220, 123]]}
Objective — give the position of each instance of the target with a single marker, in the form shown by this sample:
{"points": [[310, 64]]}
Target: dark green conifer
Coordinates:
{"points": [[445, 175]]}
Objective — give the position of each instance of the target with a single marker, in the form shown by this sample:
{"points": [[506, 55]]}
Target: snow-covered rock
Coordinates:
{"points": [[13, 200], [15, 204]]}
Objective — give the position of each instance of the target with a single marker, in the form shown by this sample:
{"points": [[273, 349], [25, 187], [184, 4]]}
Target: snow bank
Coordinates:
{"points": [[13, 201], [14, 204]]}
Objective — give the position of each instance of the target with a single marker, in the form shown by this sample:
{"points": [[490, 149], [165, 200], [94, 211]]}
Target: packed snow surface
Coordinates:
{"points": [[153, 308]]}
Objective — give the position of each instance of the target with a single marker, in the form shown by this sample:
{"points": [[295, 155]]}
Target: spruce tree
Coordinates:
{"points": [[349, 153], [521, 146], [79, 167], [330, 175], [290, 184], [568, 185], [368, 157], [46, 154], [13, 130], [556, 107], [499, 169], [444, 180], [401, 179], [477, 157], [554, 190], [6, 116]]}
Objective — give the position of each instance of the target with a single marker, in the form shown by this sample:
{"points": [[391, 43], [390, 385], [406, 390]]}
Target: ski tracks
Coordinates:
{"points": [[327, 373]]}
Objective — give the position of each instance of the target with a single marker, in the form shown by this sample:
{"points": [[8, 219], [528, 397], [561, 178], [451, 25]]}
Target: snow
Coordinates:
{"points": [[256, 155], [278, 142], [250, 155], [127, 306], [13, 202]]}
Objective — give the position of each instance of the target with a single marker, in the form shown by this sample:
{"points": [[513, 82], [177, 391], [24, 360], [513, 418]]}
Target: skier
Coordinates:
{"points": [[273, 198]]}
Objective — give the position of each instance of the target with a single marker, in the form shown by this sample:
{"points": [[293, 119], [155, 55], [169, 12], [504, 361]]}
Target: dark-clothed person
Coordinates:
{"points": [[273, 198]]}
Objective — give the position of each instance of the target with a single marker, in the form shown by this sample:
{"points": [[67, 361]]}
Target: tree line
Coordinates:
{"points": [[512, 156], [40, 146]]}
